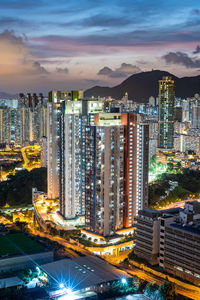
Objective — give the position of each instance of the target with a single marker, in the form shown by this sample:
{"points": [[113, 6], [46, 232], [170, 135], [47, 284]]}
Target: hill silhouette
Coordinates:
{"points": [[142, 85]]}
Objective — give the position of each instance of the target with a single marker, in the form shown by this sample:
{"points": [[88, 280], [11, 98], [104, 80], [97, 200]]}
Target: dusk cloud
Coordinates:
{"points": [[105, 71], [15, 56], [38, 68], [181, 58], [128, 68], [52, 36], [197, 11], [197, 50], [20, 4], [62, 70], [93, 81], [123, 71], [10, 21], [108, 42], [101, 20]]}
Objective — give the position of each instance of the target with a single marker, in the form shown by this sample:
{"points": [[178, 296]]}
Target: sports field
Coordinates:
{"points": [[18, 243]]}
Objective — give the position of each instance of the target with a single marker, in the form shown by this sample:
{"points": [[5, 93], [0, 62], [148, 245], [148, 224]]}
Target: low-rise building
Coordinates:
{"points": [[81, 276], [180, 244], [171, 238], [148, 233], [147, 237]]}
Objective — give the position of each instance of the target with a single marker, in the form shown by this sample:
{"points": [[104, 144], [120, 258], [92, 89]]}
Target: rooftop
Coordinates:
{"points": [[82, 272], [153, 213], [148, 212], [10, 281], [194, 228]]}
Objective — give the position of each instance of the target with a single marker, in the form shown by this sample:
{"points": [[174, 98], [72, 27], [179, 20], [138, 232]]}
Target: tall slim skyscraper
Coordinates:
{"points": [[195, 122], [166, 113], [76, 115], [136, 164], [54, 110], [43, 146], [5, 125], [104, 178]]}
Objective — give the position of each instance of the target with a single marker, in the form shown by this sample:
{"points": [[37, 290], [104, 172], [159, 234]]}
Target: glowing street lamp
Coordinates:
{"points": [[124, 281], [61, 286]]}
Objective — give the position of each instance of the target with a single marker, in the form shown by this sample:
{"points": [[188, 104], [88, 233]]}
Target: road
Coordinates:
{"points": [[62, 242], [25, 158], [190, 292], [178, 204], [130, 271]]}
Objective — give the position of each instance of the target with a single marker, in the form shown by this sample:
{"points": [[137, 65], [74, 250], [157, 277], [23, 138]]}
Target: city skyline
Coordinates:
{"points": [[99, 149], [67, 45]]}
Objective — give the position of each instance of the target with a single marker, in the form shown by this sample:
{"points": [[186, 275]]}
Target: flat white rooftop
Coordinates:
{"points": [[10, 281], [82, 272]]}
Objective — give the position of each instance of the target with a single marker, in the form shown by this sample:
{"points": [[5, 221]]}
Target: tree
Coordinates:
{"points": [[142, 285], [168, 291], [18, 189], [170, 167], [20, 225], [178, 167], [13, 293], [152, 291]]}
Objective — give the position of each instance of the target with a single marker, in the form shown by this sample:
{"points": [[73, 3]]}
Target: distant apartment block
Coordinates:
{"points": [[166, 113], [25, 123], [43, 146]]}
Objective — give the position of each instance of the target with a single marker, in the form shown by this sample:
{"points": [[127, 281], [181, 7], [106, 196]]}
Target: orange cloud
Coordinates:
{"points": [[15, 57]]}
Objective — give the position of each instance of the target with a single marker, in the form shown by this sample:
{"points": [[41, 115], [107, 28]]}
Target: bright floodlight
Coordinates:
{"points": [[61, 285], [69, 291], [124, 281]]}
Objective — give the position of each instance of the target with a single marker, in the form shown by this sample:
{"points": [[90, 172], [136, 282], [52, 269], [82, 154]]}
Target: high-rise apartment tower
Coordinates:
{"points": [[166, 113]]}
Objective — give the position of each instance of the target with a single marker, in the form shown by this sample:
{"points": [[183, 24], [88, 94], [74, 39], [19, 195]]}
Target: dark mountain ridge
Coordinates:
{"points": [[4, 95], [142, 85]]}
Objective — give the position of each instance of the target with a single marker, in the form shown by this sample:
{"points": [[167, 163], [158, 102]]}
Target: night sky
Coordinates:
{"points": [[68, 44]]}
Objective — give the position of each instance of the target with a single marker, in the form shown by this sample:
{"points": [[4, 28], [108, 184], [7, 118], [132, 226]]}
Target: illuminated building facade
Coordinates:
{"points": [[166, 113], [97, 162], [24, 123], [195, 122], [171, 238], [43, 147], [76, 115], [104, 178], [5, 125], [116, 171], [29, 119], [54, 110], [136, 164]]}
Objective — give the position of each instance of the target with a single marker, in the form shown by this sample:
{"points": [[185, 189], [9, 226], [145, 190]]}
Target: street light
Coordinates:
{"points": [[124, 281], [61, 286]]}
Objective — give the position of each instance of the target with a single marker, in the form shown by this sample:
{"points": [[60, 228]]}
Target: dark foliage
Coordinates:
{"points": [[188, 183], [17, 189]]}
